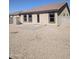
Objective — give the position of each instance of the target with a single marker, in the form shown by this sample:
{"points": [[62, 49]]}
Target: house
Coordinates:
{"points": [[50, 14]]}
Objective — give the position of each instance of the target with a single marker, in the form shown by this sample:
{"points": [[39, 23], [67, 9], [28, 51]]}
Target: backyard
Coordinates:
{"points": [[31, 41]]}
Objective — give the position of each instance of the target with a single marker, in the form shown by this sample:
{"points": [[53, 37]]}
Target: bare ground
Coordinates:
{"points": [[39, 41]]}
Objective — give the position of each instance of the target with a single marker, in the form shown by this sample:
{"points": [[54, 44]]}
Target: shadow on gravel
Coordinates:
{"points": [[10, 58], [14, 32]]}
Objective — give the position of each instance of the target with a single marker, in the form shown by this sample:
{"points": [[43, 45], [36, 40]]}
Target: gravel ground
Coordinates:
{"points": [[39, 41]]}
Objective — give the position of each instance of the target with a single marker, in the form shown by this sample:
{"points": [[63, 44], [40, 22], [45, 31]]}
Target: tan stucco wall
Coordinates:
{"points": [[61, 18], [22, 18], [44, 18], [14, 19], [17, 18], [65, 11], [56, 18], [10, 19], [34, 18]]}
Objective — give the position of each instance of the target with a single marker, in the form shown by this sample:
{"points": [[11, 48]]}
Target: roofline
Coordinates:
{"points": [[36, 12], [63, 7], [59, 11]]}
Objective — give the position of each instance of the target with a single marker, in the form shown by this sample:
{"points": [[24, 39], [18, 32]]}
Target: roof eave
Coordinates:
{"points": [[62, 8], [36, 12]]}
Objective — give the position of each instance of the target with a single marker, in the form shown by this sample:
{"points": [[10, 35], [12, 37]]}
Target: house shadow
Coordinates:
{"points": [[10, 58]]}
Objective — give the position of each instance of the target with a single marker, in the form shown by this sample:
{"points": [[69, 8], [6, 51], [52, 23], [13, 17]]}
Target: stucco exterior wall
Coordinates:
{"points": [[22, 18], [17, 19], [34, 18], [14, 19], [63, 17], [56, 18], [65, 11], [10, 19], [44, 18]]}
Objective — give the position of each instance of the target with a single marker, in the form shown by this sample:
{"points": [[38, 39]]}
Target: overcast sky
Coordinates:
{"points": [[17, 5]]}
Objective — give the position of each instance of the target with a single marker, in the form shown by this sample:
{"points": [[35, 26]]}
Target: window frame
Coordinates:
{"points": [[51, 16], [25, 18], [30, 18], [38, 18]]}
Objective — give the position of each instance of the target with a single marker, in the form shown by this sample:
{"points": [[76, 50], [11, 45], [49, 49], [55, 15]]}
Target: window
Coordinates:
{"points": [[30, 18], [51, 17], [25, 18], [38, 18]]}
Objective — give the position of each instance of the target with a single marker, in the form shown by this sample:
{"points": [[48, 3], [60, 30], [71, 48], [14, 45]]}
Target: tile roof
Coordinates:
{"points": [[46, 7], [52, 7]]}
